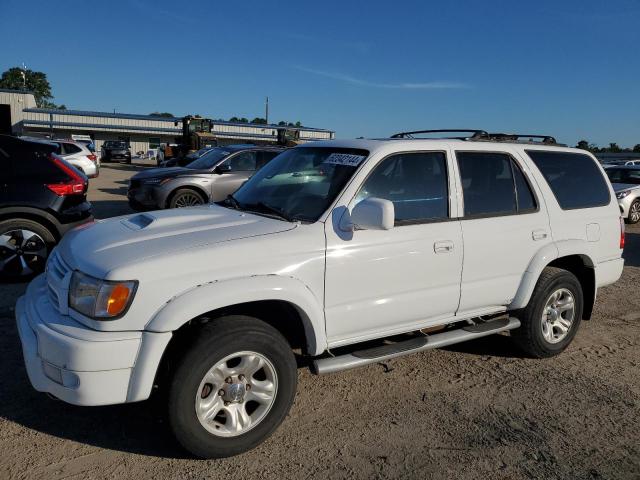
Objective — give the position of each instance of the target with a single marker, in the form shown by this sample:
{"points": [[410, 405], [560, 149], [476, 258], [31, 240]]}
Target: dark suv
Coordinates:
{"points": [[41, 198], [115, 150]]}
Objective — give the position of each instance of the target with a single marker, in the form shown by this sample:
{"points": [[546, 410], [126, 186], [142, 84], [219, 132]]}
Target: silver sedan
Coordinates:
{"points": [[626, 183]]}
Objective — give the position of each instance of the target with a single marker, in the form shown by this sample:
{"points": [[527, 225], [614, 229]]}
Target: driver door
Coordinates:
{"points": [[382, 282], [231, 173]]}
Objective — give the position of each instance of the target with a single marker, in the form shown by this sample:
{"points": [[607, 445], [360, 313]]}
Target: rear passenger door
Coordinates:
{"points": [[503, 226]]}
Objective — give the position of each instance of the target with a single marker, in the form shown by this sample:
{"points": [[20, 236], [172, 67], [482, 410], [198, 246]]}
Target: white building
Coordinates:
{"points": [[143, 132]]}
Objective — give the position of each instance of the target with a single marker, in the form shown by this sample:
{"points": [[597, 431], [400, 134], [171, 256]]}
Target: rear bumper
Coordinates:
{"points": [[79, 365], [609, 272]]}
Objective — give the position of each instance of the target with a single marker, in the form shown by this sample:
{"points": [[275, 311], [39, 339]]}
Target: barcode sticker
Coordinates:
{"points": [[344, 159]]}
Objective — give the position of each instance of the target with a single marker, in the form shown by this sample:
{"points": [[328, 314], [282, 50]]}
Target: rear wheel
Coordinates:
{"points": [[24, 248], [233, 387], [186, 197], [634, 212], [551, 319]]}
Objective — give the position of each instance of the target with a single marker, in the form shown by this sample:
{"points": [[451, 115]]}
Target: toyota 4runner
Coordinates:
{"points": [[345, 252]]}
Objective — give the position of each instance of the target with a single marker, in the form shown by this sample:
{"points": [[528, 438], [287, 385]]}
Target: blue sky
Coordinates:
{"points": [[567, 68]]}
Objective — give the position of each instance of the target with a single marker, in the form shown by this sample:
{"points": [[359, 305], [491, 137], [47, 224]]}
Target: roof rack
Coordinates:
{"points": [[483, 135], [475, 134]]}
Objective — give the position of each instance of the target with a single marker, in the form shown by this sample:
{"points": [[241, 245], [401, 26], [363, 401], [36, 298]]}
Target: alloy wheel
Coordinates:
{"points": [[188, 200], [558, 315], [22, 253]]}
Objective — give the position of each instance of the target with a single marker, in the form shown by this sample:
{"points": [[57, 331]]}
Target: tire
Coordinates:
{"points": [[215, 341], [634, 212], [535, 336], [185, 197], [23, 242]]}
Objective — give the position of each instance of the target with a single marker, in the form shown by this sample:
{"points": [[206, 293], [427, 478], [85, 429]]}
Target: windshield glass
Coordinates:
{"points": [[300, 183], [209, 159], [623, 175], [122, 145]]}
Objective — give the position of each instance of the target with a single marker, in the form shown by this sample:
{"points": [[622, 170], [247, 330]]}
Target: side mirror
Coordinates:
{"points": [[373, 214], [220, 169]]}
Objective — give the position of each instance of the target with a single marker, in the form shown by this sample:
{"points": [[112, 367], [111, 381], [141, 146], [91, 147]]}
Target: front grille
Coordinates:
{"points": [[57, 281]]}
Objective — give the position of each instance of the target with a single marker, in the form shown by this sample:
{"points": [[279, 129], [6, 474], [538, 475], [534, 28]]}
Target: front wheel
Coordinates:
{"points": [[185, 197], [233, 387], [551, 319], [24, 247]]}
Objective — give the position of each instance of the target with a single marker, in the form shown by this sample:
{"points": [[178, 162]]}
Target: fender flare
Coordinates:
{"points": [[224, 293], [540, 260]]}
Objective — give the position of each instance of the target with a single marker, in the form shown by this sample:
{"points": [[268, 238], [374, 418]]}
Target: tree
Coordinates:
{"points": [[161, 114], [583, 144], [32, 81], [614, 148], [282, 123], [259, 120], [636, 148]]}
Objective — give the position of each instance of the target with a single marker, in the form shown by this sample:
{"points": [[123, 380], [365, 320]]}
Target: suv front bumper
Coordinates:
{"points": [[79, 365]]}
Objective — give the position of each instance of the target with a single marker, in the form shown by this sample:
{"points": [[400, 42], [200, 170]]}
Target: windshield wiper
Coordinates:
{"points": [[262, 207]]}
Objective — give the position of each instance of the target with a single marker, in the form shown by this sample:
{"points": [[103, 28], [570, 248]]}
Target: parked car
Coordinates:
{"points": [[87, 141], [41, 197], [78, 155], [626, 184], [392, 247], [115, 150], [622, 163], [211, 177]]}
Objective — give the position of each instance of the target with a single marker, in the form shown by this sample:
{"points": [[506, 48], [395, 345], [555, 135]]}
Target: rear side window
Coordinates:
{"points": [[69, 148], [266, 156], [492, 185], [574, 178]]}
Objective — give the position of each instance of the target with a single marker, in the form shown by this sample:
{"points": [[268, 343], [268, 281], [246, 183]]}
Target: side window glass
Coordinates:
{"points": [[526, 201], [265, 157], [487, 183], [416, 183], [244, 161]]}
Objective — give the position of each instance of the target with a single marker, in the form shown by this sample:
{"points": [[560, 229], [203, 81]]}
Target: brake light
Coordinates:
{"points": [[92, 157], [74, 185], [621, 233]]}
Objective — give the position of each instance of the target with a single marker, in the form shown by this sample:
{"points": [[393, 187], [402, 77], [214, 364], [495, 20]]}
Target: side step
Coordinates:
{"points": [[360, 358]]}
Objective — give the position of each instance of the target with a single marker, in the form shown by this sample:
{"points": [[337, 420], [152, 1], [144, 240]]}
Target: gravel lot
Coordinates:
{"points": [[476, 411]]}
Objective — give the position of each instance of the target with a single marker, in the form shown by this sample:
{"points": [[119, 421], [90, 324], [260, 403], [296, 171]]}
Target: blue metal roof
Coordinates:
{"points": [[8, 90], [171, 130]]}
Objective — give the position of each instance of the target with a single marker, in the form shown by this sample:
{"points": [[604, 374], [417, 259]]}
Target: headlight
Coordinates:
{"points": [[623, 193], [155, 181], [100, 299]]}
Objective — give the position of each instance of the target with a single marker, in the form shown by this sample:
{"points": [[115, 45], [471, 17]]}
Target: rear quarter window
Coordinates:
{"points": [[574, 178]]}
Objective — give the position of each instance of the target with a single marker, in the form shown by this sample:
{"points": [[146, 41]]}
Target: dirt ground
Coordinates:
{"points": [[476, 411]]}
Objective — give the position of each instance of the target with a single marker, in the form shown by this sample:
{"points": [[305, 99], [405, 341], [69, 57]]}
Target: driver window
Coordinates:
{"points": [[416, 183], [242, 162]]}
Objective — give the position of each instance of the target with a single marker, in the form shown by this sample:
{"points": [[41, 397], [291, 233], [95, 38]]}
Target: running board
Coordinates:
{"points": [[360, 358]]}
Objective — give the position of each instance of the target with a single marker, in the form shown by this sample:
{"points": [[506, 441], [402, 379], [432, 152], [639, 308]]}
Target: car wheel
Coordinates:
{"points": [[24, 248], [634, 212], [552, 317], [233, 387], [185, 197]]}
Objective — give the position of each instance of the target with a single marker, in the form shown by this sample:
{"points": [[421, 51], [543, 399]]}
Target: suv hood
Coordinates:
{"points": [[100, 247], [619, 187], [166, 173]]}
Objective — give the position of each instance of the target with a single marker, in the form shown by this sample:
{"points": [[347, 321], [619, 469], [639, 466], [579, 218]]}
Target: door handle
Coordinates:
{"points": [[444, 246], [539, 234]]}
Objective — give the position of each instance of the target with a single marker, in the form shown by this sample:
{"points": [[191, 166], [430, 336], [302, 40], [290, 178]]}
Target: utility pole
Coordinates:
{"points": [[266, 107], [23, 72]]}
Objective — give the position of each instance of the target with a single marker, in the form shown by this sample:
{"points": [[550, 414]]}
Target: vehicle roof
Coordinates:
{"points": [[399, 144], [249, 146]]}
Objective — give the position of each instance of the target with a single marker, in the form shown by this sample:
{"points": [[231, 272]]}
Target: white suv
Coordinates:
{"points": [[345, 252]]}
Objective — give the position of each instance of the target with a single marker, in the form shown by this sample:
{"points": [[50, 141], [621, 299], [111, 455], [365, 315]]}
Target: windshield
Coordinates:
{"points": [[209, 159], [300, 183], [122, 145]]}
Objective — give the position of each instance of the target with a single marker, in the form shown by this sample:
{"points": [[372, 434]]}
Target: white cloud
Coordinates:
{"points": [[365, 83]]}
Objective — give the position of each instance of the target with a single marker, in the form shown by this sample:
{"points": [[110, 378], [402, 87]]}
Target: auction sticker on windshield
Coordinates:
{"points": [[345, 159]]}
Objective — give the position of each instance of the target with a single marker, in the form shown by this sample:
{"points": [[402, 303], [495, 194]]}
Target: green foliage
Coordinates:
{"points": [[32, 81], [259, 120], [161, 114], [636, 148]]}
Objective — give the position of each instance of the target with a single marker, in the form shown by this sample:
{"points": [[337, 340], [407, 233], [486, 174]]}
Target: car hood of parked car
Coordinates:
{"points": [[167, 173], [101, 247], [619, 187]]}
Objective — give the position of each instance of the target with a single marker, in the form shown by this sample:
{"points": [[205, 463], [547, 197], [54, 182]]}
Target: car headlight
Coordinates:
{"points": [[100, 299], [623, 194]]}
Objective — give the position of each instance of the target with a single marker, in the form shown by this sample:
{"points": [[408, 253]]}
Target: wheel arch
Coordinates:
{"points": [[35, 215], [570, 255]]}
